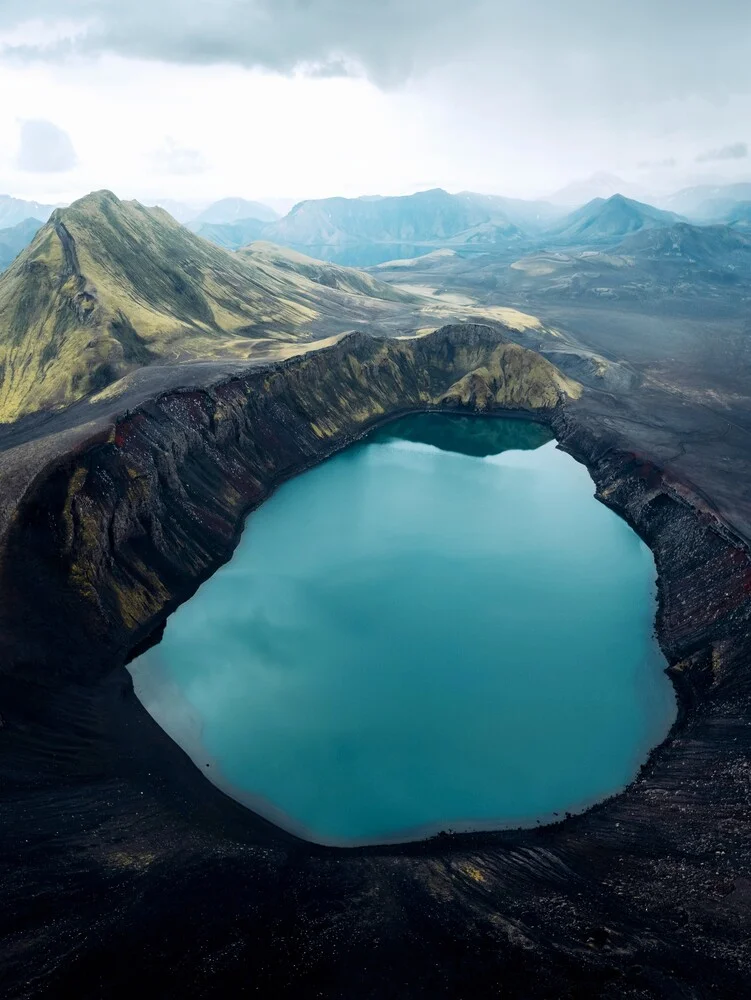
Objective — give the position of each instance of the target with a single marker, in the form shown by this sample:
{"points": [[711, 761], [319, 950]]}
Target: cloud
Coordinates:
{"points": [[667, 164], [381, 38], [676, 47], [45, 148], [508, 96], [733, 151], [172, 158]]}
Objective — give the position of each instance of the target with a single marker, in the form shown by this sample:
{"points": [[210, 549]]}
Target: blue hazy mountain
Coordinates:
{"points": [[15, 210], [426, 217], [598, 185], [608, 219], [717, 247], [739, 214], [233, 210], [179, 210], [709, 202], [16, 238], [231, 235]]}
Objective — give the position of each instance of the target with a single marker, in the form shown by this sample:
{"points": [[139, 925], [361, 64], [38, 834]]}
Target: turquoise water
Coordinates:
{"points": [[439, 628]]}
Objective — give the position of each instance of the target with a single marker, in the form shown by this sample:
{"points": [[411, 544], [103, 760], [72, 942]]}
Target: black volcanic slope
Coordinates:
{"points": [[123, 870]]}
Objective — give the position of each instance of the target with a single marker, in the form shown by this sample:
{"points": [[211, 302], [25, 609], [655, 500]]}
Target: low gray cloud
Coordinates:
{"points": [[45, 148], [383, 38], [674, 48], [733, 151], [172, 158]]}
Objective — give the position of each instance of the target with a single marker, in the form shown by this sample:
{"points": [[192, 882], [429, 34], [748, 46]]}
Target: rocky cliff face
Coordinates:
{"points": [[704, 570]]}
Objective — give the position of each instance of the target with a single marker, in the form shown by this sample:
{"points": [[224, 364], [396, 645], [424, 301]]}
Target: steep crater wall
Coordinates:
{"points": [[111, 538], [644, 895]]}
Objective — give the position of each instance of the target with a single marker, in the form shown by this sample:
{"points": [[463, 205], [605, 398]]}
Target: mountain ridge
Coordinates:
{"points": [[605, 218], [108, 286], [685, 241], [426, 216]]}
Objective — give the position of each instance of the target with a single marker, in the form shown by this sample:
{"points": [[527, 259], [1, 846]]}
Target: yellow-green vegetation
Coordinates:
{"points": [[346, 279], [440, 303], [107, 287], [517, 320], [545, 265], [512, 377], [361, 386], [536, 267], [473, 872]]}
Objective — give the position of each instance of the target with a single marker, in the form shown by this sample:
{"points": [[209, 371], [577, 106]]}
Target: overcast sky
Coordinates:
{"points": [[199, 99]]}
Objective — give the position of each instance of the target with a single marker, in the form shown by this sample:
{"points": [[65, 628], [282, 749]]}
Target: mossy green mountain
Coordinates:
{"points": [[345, 279], [108, 286]]}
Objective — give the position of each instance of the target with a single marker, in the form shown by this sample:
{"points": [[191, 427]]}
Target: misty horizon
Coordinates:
{"points": [[330, 99], [574, 194]]}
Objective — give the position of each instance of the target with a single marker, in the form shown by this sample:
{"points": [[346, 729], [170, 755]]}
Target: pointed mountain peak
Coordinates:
{"points": [[108, 286], [91, 204], [95, 199]]}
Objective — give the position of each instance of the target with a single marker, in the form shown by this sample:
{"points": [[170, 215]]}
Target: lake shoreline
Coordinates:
{"points": [[430, 498], [631, 895]]}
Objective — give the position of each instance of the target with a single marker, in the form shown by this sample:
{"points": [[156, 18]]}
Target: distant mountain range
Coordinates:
{"points": [[708, 202], [667, 262], [707, 246], [678, 260], [472, 221], [16, 210], [600, 185], [530, 216], [106, 287], [230, 235], [369, 230], [607, 219], [425, 217], [234, 210]]}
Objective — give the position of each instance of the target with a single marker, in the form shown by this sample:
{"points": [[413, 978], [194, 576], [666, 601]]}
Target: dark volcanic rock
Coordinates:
{"points": [[123, 868]]}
